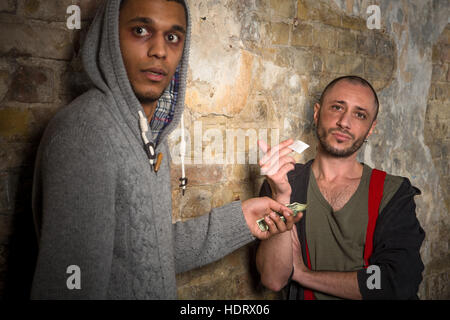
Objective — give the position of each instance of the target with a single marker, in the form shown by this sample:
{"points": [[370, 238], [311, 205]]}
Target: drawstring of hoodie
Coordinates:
{"points": [[183, 178], [151, 154], [149, 146]]}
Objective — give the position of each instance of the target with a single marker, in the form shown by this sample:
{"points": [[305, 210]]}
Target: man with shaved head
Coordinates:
{"points": [[359, 237]]}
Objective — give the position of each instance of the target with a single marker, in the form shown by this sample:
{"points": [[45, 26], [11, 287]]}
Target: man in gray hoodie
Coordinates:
{"points": [[102, 194]]}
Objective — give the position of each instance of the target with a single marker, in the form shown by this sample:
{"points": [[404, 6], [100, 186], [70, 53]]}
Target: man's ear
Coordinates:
{"points": [[316, 113], [374, 123]]}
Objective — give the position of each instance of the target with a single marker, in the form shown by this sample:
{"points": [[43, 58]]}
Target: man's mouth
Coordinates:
{"points": [[341, 136], [154, 74]]}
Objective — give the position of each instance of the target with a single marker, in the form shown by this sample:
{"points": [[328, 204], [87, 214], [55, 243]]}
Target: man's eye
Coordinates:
{"points": [[361, 115], [140, 31], [172, 38], [336, 107]]}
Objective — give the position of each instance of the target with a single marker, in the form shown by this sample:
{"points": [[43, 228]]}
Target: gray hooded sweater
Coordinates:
{"points": [[98, 204]]}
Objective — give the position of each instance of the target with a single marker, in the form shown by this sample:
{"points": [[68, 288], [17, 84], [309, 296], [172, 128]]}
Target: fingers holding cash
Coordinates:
{"points": [[257, 212], [276, 221]]}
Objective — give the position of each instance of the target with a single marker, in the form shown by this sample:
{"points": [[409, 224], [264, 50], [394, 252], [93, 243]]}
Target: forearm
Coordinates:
{"points": [[210, 237], [274, 261], [339, 284]]}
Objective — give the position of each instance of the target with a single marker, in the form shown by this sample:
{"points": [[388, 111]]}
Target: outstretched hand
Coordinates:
{"points": [[257, 208]]}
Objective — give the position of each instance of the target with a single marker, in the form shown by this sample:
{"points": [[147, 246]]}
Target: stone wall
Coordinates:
{"points": [[256, 66], [437, 138]]}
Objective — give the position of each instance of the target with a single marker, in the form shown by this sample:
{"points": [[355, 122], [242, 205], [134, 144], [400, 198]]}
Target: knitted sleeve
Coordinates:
{"points": [[210, 237], [74, 199]]}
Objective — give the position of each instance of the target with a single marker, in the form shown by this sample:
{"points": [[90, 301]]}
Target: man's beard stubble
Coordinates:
{"points": [[322, 135], [146, 97]]}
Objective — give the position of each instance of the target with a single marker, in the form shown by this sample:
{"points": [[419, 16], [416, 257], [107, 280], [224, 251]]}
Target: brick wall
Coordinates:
{"points": [[281, 54], [40, 72], [255, 65], [437, 137]]}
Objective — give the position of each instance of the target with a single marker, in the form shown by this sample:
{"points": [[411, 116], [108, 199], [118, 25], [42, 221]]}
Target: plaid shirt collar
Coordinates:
{"points": [[165, 109]]}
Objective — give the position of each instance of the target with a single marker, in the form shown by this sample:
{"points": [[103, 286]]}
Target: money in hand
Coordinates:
{"points": [[295, 207]]}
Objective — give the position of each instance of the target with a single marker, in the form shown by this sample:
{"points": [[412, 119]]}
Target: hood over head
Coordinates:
{"points": [[103, 63]]}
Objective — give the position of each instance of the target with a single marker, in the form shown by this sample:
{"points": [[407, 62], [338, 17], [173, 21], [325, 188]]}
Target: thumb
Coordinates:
{"points": [[278, 207]]}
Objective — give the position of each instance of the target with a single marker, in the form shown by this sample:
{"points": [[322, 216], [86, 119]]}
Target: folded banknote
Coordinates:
{"points": [[295, 207]]}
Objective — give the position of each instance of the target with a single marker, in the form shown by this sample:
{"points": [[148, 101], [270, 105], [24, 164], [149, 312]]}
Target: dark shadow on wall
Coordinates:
{"points": [[22, 245]]}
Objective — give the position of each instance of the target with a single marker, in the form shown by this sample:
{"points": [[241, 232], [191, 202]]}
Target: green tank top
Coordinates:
{"points": [[336, 238]]}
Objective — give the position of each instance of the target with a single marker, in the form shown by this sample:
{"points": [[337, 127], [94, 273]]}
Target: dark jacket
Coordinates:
{"points": [[397, 239]]}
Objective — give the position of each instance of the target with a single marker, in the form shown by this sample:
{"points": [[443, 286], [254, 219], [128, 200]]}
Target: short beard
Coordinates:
{"points": [[146, 98], [321, 136]]}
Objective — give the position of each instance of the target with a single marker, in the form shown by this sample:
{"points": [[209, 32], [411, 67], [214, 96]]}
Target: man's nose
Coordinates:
{"points": [[157, 47], [344, 120]]}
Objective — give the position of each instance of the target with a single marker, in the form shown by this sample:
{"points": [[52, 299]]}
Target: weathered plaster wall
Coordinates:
{"points": [[255, 65], [437, 139]]}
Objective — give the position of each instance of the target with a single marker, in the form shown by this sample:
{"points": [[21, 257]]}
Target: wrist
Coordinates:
{"points": [[283, 198], [300, 275]]}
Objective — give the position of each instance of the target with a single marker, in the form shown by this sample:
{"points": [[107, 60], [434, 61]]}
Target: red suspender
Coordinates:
{"points": [[375, 195], [308, 294]]}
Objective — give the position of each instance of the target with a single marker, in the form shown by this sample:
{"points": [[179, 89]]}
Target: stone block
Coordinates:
{"points": [[278, 33], [204, 174], [439, 72], [32, 84], [44, 10], [55, 10], [366, 44], [448, 73], [324, 37], [354, 23], [354, 65], [317, 65], [256, 110], [14, 123], [347, 64], [329, 15], [384, 46], [250, 29], [346, 41], [445, 53], [222, 196], [17, 154], [380, 67], [4, 83], [302, 35], [285, 57], [318, 11], [437, 114], [36, 38], [283, 8], [305, 11], [436, 54], [195, 202], [445, 35], [302, 60], [441, 91], [7, 6]]}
